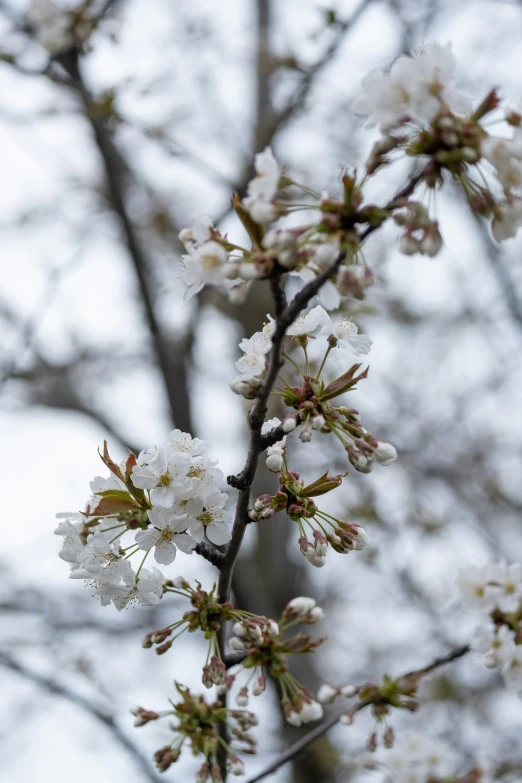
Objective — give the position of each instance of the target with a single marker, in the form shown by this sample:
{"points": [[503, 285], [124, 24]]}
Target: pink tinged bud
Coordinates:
{"points": [[254, 515], [299, 607], [318, 422], [163, 648], [242, 698], [143, 716], [409, 245], [259, 686], [354, 280], [294, 719], [372, 742], [384, 453], [289, 424], [327, 694], [432, 241], [147, 641], [236, 766], [348, 691], [248, 271], [362, 539], [316, 615], [268, 513], [231, 270], [321, 544], [273, 628], [388, 737], [346, 719]]}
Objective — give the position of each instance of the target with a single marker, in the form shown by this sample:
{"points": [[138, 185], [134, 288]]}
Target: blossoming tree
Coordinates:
{"points": [[171, 496]]}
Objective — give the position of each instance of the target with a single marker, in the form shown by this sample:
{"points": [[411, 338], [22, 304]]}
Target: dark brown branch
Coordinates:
{"points": [[117, 174], [102, 716], [302, 744], [210, 553]]}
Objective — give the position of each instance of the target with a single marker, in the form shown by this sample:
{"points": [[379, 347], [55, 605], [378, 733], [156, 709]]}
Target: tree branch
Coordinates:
{"points": [[103, 717], [302, 744]]}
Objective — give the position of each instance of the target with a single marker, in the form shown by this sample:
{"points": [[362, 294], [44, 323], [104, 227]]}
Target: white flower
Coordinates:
{"points": [[262, 190], [183, 441], [199, 233], [237, 767], [164, 473], [475, 593], [255, 348], [512, 669], [165, 534], [348, 691], [431, 75], [417, 86], [347, 335], [72, 545], [362, 539], [384, 453], [311, 711], [145, 589], [246, 385], [507, 220], [236, 644], [416, 758], [306, 323], [207, 516], [100, 484], [327, 694], [274, 459], [102, 560], [322, 256], [52, 25], [505, 155], [497, 644], [300, 606], [204, 265], [507, 582]]}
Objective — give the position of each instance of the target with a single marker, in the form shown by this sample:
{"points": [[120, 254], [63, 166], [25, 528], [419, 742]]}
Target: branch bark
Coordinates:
{"points": [[103, 717], [302, 744]]}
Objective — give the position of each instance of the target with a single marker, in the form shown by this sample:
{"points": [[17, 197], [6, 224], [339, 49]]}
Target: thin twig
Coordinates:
{"points": [[102, 716], [302, 744]]}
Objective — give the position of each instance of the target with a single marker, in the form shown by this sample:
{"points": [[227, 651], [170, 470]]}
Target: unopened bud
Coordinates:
{"points": [[289, 424]]}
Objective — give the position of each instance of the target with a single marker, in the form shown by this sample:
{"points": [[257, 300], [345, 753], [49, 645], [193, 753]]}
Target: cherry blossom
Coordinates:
{"points": [[347, 335], [165, 534]]}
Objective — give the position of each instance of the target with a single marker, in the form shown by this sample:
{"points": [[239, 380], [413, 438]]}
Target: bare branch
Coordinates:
{"points": [[102, 716], [302, 744]]}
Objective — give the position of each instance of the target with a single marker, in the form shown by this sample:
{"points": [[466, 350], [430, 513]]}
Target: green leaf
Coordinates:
{"points": [[114, 502]]}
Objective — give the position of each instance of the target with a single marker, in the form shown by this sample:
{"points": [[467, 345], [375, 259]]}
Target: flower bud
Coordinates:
{"points": [[409, 245], [237, 644], [348, 691], [326, 694], [384, 453], [238, 293], [259, 686], [305, 436], [316, 614], [318, 422], [143, 716], [242, 698], [289, 423], [236, 766], [274, 462]]}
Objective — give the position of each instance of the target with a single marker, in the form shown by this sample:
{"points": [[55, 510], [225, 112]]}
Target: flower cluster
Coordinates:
{"points": [[168, 497], [268, 652], [496, 590], [418, 759], [296, 499], [422, 114], [257, 640], [198, 724]]}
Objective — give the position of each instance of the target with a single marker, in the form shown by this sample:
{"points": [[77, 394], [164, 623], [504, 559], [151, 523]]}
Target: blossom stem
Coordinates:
{"points": [[325, 357], [145, 556]]}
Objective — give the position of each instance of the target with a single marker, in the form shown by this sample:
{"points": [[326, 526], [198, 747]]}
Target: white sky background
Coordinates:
{"points": [[48, 457]]}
